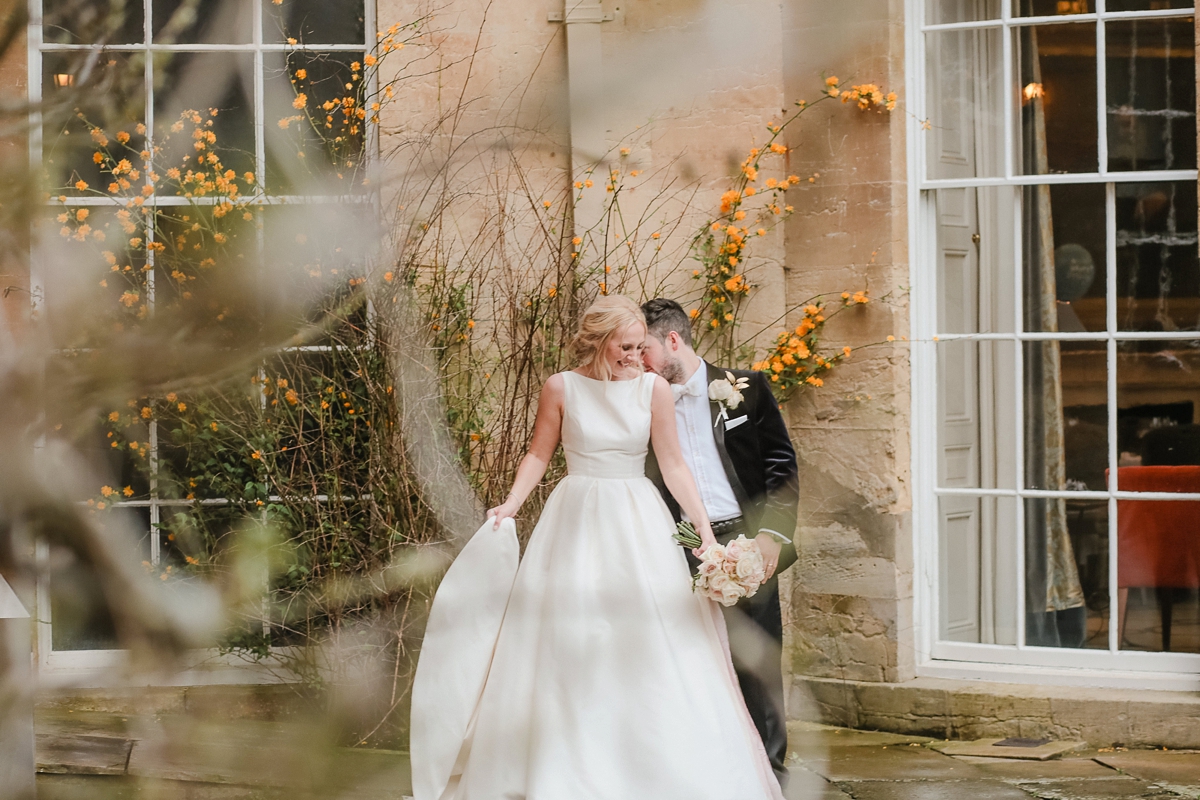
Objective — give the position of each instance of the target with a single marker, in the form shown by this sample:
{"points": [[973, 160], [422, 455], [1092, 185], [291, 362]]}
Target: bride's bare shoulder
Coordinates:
{"points": [[660, 393], [554, 386]]}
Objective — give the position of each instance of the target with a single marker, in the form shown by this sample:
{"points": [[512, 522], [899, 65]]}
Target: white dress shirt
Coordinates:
{"points": [[697, 440], [693, 419]]}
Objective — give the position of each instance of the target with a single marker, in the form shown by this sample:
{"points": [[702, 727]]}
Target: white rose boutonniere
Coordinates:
{"points": [[727, 392]]}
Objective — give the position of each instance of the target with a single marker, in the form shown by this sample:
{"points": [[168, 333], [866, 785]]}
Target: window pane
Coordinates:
{"points": [[976, 400], [1158, 389], [79, 613], [202, 82], [1151, 75], [94, 278], [1051, 8], [315, 123], [966, 102], [207, 280], [208, 21], [1065, 542], [314, 22], [204, 452], [313, 278], [86, 110], [1146, 5], [1158, 276], [1064, 258], [1066, 421], [91, 21], [1158, 560], [977, 569], [1057, 68]]}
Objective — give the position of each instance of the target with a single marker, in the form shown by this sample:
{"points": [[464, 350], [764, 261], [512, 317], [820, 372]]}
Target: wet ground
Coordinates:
{"points": [[91, 756]]}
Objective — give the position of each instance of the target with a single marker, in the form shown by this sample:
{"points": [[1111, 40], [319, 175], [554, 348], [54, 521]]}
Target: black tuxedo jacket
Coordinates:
{"points": [[758, 458]]}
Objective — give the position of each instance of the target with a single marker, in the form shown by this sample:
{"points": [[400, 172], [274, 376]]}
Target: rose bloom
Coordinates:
{"points": [[718, 582], [731, 593], [750, 563], [720, 391]]}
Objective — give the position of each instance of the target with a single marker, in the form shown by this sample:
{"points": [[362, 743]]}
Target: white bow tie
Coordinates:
{"points": [[686, 390]]}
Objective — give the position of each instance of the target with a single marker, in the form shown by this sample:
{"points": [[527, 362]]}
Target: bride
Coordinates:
{"points": [[591, 672]]}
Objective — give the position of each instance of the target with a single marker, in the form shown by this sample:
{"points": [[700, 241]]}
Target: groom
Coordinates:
{"points": [[745, 469]]}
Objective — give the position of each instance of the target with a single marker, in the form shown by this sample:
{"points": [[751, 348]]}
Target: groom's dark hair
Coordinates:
{"points": [[664, 316]]}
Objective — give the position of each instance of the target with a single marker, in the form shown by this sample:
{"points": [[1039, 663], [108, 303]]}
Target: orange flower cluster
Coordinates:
{"points": [[867, 95], [795, 360], [340, 120], [725, 242], [177, 241], [864, 95]]}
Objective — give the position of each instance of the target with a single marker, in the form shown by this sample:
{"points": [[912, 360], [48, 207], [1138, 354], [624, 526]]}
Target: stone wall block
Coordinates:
{"points": [[841, 636]]}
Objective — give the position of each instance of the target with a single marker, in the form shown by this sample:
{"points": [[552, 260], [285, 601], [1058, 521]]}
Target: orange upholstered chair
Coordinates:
{"points": [[1158, 541]]}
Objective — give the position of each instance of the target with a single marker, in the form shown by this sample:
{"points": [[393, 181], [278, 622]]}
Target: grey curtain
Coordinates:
{"points": [[1054, 604]]}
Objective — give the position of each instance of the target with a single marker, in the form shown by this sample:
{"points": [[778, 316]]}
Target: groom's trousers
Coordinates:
{"points": [[755, 627], [755, 639]]}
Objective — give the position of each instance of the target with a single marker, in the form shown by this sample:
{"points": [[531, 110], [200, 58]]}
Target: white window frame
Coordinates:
{"points": [[1014, 663], [85, 667]]}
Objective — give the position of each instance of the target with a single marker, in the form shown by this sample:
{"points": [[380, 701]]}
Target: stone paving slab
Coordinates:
{"points": [[863, 763], [1033, 771], [809, 735], [1172, 769], [990, 748], [81, 754], [1098, 789], [807, 785], [248, 753], [52, 720], [83, 787], [936, 790]]}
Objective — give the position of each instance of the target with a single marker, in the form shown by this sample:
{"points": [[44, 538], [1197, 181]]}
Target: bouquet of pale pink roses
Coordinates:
{"points": [[727, 572]]}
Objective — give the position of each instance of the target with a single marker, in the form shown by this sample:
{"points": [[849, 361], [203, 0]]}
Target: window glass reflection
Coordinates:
{"points": [[1158, 276], [1151, 94], [314, 22], [1065, 257], [1052, 8], [1057, 95], [86, 107], [92, 21], [1158, 393], [209, 22]]}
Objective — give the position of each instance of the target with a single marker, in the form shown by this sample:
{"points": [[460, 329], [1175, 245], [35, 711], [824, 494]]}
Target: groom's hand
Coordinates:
{"points": [[770, 547]]}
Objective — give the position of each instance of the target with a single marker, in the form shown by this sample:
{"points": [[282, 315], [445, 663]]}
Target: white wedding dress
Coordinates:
{"points": [[591, 672]]}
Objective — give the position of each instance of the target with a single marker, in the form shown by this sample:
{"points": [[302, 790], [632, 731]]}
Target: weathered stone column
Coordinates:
{"points": [[585, 79], [17, 765]]}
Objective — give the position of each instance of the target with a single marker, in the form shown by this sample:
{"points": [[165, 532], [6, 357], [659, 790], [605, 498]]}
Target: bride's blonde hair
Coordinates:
{"points": [[603, 319]]}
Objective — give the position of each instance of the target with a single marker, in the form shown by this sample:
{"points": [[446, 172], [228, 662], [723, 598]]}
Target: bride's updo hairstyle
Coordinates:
{"points": [[605, 318]]}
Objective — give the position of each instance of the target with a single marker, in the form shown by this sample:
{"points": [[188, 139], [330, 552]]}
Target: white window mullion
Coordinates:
{"points": [[33, 54], [1019, 383], [1101, 91], [1008, 92], [1006, 18], [151, 222], [1052, 178], [1114, 456], [260, 155]]}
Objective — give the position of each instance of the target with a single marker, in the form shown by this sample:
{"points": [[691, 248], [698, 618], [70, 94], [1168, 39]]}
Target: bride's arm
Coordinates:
{"points": [[546, 430], [676, 475]]}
